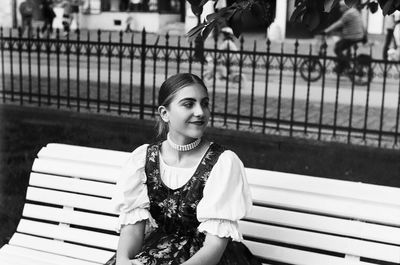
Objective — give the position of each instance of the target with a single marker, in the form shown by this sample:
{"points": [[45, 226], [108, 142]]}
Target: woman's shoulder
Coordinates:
{"points": [[226, 154]]}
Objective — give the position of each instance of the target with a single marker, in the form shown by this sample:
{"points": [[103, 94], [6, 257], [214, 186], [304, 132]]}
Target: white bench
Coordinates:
{"points": [[67, 218]]}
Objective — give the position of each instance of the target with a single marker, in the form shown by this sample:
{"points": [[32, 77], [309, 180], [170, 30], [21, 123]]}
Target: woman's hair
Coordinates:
{"points": [[167, 93]]}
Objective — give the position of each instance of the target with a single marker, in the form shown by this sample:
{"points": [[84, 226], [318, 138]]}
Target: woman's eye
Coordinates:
{"points": [[188, 104], [205, 104]]}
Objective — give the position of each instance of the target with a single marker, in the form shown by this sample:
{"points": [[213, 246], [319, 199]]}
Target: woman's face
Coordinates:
{"points": [[188, 113]]}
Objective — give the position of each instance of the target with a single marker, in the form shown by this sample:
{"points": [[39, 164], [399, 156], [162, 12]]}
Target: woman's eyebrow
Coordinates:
{"points": [[192, 99]]}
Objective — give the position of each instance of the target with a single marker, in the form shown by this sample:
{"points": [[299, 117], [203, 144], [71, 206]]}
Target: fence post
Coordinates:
{"points": [[142, 73], [3, 88], [296, 50]]}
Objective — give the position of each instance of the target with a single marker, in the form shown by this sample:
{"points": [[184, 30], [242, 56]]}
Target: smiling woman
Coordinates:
{"points": [[180, 199]]}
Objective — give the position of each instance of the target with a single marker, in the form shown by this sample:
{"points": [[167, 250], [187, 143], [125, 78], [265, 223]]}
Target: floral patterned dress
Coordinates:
{"points": [[176, 237]]}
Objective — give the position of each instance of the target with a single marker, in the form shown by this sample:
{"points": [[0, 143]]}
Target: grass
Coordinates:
{"points": [[25, 130]]}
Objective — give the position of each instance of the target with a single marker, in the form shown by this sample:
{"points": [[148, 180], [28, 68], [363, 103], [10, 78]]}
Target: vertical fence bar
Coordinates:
{"points": [[321, 110], [88, 54], [253, 80], [131, 57], [178, 56], [296, 50], [240, 83], [396, 128], [99, 48], [58, 51], [142, 73], [20, 66], [12, 65], [367, 98], [382, 103], [352, 75], [48, 51], [38, 49], [109, 55], [227, 65], [311, 62], [78, 79], [190, 56], [278, 116], [68, 53], [120, 56], [267, 65], [155, 53], [29, 49], [336, 107], [214, 70], [166, 54], [3, 88]]}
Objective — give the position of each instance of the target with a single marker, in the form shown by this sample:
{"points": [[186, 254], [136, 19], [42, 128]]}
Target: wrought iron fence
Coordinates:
{"points": [[266, 90]]}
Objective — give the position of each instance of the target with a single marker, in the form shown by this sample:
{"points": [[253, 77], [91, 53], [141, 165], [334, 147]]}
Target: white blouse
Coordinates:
{"points": [[226, 195]]}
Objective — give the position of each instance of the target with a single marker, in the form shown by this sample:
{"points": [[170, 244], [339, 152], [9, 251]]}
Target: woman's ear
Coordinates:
{"points": [[162, 110]]}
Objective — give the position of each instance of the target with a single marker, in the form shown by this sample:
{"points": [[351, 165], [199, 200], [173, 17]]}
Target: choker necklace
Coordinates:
{"points": [[183, 148]]}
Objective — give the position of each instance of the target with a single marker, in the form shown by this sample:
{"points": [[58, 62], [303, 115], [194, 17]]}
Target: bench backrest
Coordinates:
{"points": [[295, 219]]}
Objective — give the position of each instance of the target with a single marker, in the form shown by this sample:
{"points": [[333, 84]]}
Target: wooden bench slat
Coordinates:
{"points": [[295, 256], [351, 228], [325, 186], [42, 257], [12, 260], [355, 247], [84, 154], [349, 208], [76, 169], [70, 217], [72, 184], [61, 248], [69, 199], [90, 238]]}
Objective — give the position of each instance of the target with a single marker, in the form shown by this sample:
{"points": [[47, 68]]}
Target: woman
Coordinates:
{"points": [[179, 199]]}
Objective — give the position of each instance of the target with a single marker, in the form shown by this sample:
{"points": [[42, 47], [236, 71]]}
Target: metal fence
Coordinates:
{"points": [[267, 90]]}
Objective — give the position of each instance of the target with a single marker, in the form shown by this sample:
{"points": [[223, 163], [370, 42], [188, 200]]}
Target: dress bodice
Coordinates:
{"points": [[174, 210]]}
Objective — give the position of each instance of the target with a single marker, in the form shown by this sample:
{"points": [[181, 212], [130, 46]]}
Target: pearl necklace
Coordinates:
{"points": [[183, 148]]}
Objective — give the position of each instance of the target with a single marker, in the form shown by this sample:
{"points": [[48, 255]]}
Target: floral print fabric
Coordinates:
{"points": [[176, 237]]}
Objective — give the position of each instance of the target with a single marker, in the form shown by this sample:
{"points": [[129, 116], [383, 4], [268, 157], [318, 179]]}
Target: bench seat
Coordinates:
{"points": [[296, 219]]}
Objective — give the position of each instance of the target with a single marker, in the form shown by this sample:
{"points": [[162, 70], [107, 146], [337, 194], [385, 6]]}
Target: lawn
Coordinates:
{"points": [[25, 130]]}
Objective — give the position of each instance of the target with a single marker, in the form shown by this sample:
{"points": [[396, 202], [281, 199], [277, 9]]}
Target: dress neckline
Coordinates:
{"points": [[190, 179]]}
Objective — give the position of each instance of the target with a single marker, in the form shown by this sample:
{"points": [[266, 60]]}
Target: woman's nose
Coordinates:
{"points": [[198, 110]]}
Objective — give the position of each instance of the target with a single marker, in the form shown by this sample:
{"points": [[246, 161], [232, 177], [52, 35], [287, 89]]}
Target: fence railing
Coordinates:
{"points": [[266, 90]]}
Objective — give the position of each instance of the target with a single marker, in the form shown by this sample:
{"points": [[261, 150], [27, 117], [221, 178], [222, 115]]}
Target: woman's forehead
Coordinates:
{"points": [[192, 91]]}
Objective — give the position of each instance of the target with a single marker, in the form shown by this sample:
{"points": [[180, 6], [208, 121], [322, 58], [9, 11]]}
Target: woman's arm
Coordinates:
{"points": [[210, 253], [130, 242]]}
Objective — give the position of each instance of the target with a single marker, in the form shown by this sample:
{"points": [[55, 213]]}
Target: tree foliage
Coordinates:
{"points": [[261, 10], [311, 13]]}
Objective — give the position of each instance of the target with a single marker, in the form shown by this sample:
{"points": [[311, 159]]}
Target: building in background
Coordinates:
{"points": [[154, 15]]}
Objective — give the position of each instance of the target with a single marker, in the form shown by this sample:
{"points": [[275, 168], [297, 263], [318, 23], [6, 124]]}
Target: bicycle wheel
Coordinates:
{"points": [[362, 73], [311, 69]]}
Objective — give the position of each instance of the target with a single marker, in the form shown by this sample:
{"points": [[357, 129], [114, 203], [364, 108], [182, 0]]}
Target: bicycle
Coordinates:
{"points": [[358, 70]]}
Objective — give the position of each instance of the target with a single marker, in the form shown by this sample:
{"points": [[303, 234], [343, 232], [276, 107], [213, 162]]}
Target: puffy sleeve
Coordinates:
{"points": [[130, 199], [226, 198]]}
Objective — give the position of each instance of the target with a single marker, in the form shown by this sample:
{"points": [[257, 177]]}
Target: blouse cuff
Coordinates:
{"points": [[221, 228], [132, 217]]}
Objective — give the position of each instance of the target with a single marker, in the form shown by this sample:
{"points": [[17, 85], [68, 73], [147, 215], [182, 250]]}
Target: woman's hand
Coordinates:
{"points": [[130, 242], [210, 253]]}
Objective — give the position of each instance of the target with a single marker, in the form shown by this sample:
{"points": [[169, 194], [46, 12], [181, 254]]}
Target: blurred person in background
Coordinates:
{"points": [[352, 32], [26, 11]]}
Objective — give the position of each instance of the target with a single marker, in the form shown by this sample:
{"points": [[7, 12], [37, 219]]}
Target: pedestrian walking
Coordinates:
{"points": [[49, 15], [227, 45], [391, 22], [180, 198], [66, 22], [26, 11], [75, 13]]}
